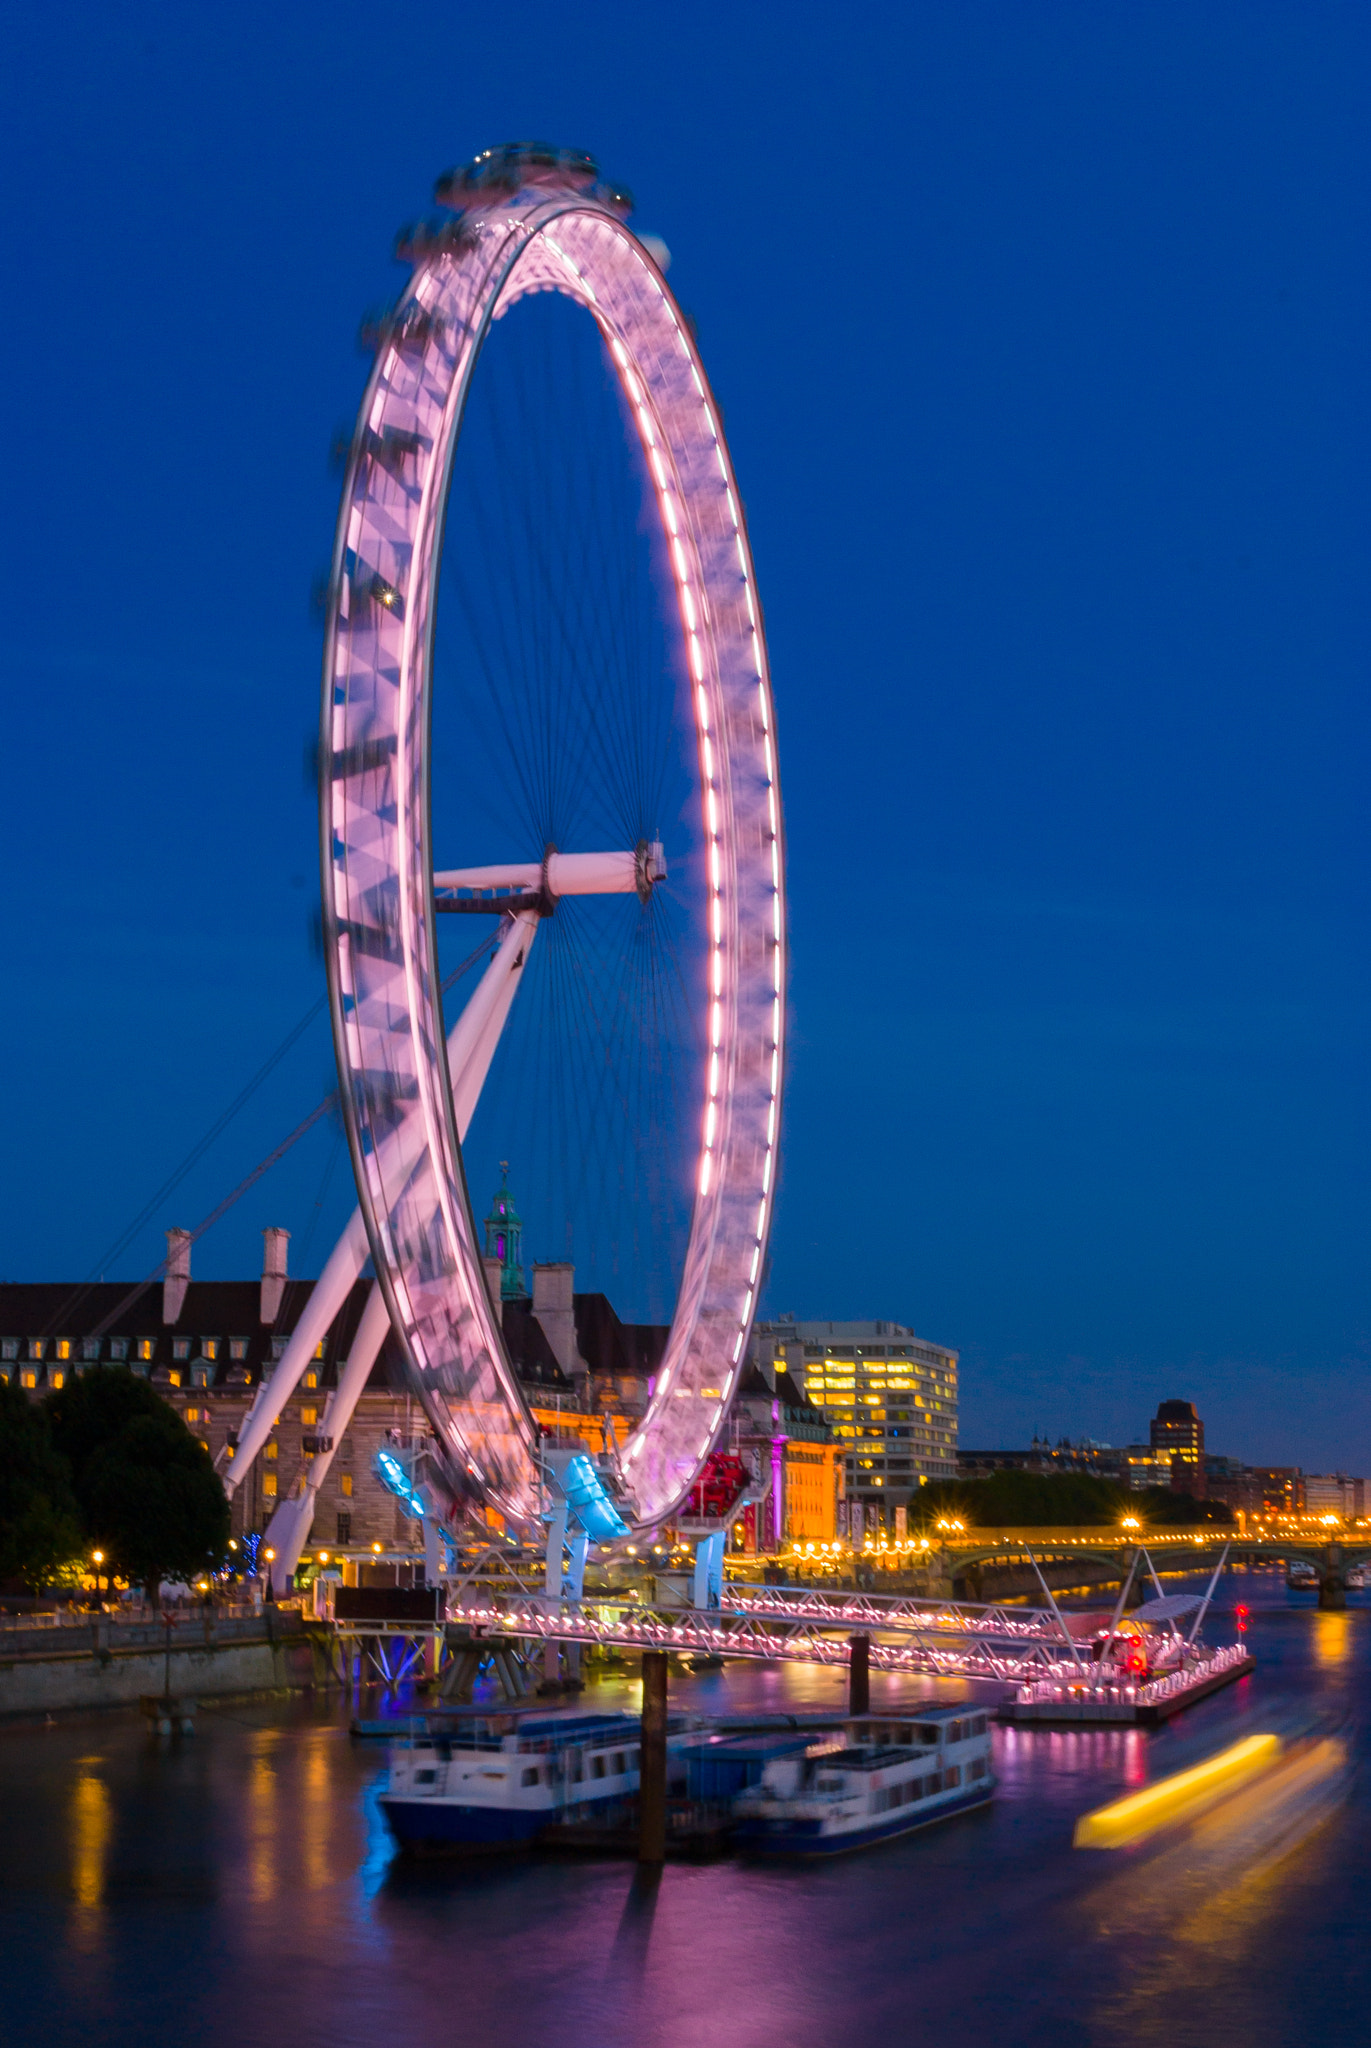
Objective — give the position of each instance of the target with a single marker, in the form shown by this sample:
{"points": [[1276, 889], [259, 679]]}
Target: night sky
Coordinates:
{"points": [[1040, 335]]}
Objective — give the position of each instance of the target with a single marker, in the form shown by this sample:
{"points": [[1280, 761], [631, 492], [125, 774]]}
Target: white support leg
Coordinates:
{"points": [[573, 1586], [471, 1047], [473, 1039], [556, 1537], [288, 1530], [708, 1589], [327, 1297]]}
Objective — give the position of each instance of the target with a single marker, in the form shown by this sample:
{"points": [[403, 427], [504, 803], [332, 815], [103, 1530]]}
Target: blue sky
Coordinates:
{"points": [[1040, 336]]}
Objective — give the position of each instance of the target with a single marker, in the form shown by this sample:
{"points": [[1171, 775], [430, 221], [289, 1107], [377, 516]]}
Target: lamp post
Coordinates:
{"points": [[98, 1557]]}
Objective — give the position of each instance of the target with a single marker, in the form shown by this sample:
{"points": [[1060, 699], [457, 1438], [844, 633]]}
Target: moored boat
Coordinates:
{"points": [[493, 1786], [889, 1775]]}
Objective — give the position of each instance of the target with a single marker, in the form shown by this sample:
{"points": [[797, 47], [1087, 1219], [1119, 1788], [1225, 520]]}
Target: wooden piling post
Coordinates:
{"points": [[859, 1675], [652, 1761]]}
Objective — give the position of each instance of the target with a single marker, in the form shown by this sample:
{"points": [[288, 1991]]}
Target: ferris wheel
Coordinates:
{"points": [[577, 714]]}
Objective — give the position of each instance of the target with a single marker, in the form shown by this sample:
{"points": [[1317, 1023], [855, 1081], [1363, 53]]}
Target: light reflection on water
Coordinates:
{"points": [[92, 1823], [241, 1887], [1332, 1638]]}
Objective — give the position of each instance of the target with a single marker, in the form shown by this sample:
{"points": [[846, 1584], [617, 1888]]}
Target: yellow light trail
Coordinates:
{"points": [[1177, 1798]]}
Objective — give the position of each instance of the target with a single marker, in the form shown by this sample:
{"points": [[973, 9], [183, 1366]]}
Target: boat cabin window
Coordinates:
{"points": [[597, 1767], [530, 1777], [618, 1769], [425, 1777]]}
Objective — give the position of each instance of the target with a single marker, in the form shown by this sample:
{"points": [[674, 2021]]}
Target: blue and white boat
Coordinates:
{"points": [[493, 1785], [889, 1775]]}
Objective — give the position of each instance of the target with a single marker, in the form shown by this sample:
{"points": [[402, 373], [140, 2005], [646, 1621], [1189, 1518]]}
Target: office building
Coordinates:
{"points": [[888, 1395]]}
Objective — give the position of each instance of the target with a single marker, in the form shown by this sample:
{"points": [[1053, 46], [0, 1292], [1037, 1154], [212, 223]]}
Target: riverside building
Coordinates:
{"points": [[206, 1346], [889, 1397]]}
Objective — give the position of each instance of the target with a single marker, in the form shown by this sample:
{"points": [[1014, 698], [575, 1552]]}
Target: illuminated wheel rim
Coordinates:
{"points": [[377, 860]]}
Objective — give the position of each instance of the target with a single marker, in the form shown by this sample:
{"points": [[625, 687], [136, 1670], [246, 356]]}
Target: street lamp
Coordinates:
{"points": [[99, 1557]]}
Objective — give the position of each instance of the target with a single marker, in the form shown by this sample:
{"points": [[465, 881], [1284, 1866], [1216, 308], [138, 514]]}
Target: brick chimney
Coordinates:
{"points": [[177, 1276], [274, 1244], [553, 1306]]}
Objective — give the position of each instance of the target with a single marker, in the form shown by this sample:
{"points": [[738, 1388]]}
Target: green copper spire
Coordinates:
{"points": [[505, 1238]]}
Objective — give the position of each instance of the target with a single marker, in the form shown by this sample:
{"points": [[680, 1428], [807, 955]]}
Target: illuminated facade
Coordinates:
{"points": [[207, 1346], [888, 1395], [784, 1438]]}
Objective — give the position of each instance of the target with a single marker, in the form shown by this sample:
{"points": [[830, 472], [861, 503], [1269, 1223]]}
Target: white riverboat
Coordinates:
{"points": [[496, 1783], [889, 1775]]}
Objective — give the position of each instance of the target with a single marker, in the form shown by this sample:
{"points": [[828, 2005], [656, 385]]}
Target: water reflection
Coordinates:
{"points": [[1332, 1638], [243, 1886], [320, 1799], [91, 1823], [262, 1798]]}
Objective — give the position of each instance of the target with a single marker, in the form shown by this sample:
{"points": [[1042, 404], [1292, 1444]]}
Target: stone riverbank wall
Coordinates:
{"points": [[110, 1663]]}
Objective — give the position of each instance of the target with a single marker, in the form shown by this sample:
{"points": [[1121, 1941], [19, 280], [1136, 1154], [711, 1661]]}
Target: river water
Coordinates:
{"points": [[240, 1887]]}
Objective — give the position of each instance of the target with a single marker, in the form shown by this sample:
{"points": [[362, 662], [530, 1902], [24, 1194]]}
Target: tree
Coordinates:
{"points": [[1031, 1500], [148, 1492], [40, 1527], [1159, 1505]]}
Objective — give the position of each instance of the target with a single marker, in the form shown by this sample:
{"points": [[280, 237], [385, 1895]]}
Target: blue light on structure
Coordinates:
{"points": [[396, 1480], [591, 1505]]}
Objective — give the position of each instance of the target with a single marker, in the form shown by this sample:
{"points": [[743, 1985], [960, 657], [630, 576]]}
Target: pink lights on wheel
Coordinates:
{"points": [[380, 868]]}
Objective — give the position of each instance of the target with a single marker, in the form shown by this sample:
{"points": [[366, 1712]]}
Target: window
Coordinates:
{"points": [[209, 1347], [146, 1346], [311, 1379], [271, 1449], [529, 1777], [174, 1376], [344, 1529], [429, 1777], [9, 1347], [192, 1415], [308, 1417], [346, 1486], [28, 1377], [180, 1347], [278, 1347], [35, 1347], [56, 1377], [269, 1485], [597, 1767], [238, 1349], [319, 1348], [200, 1375], [62, 1348], [118, 1347]]}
